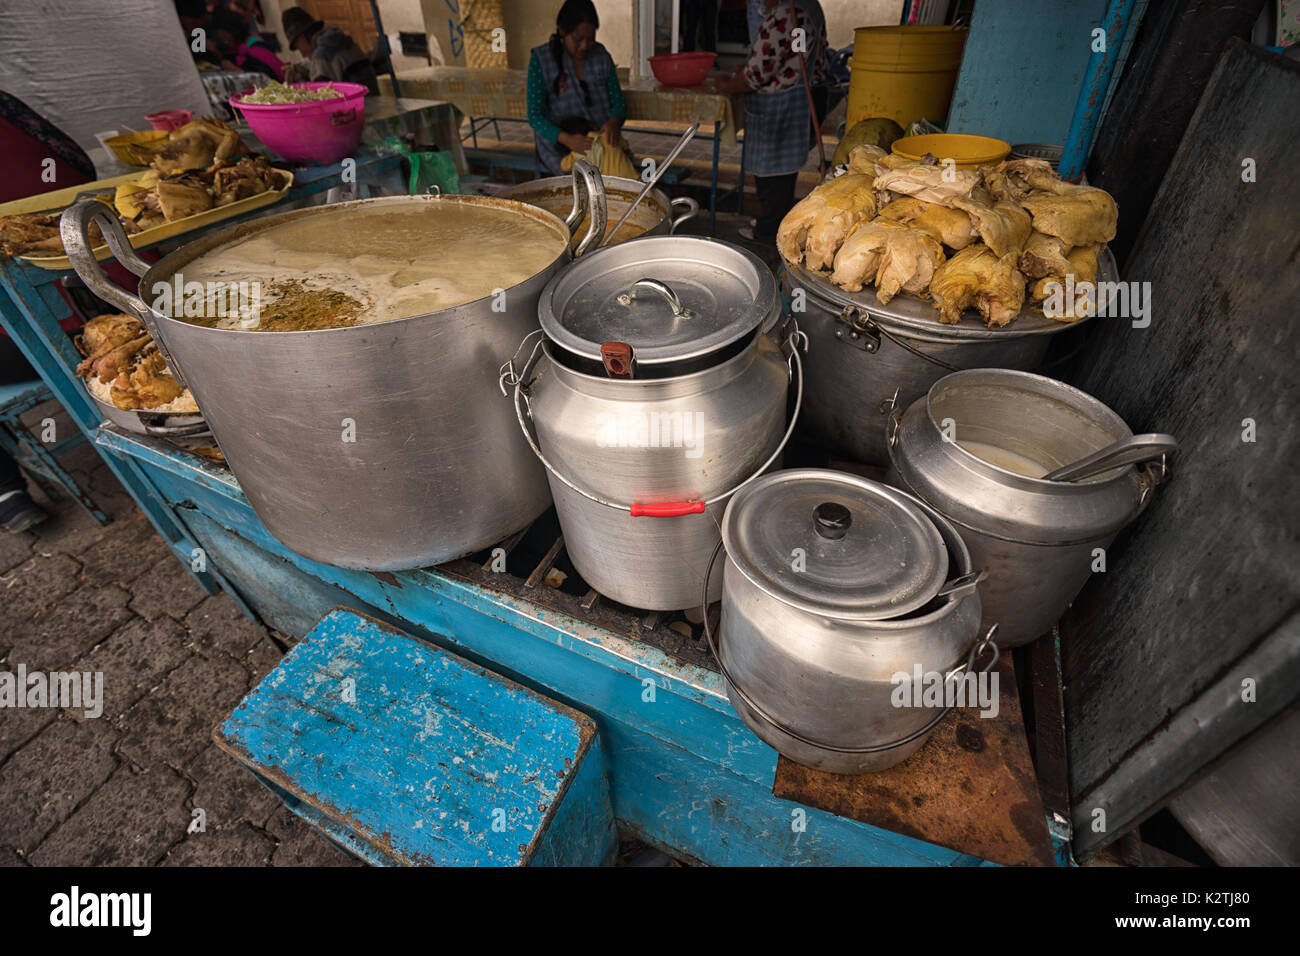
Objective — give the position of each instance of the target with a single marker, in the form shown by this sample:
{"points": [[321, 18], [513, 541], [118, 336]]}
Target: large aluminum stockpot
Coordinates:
{"points": [[654, 396], [1038, 540], [655, 215], [376, 447], [866, 358], [834, 586]]}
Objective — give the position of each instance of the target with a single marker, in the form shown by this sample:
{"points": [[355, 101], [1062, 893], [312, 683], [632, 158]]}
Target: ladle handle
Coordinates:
{"points": [[1127, 451]]}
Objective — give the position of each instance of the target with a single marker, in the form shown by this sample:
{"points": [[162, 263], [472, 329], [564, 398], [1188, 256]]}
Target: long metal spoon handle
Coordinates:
{"points": [[662, 168], [1127, 451]]}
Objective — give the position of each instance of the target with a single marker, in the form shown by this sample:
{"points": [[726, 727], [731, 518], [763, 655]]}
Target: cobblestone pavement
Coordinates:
{"points": [[119, 789]]}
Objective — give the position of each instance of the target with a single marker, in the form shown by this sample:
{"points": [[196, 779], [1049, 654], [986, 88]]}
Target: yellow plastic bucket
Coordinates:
{"points": [[966, 150], [904, 73]]}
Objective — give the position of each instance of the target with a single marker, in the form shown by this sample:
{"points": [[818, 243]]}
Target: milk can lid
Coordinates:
{"points": [[833, 543], [670, 298]]}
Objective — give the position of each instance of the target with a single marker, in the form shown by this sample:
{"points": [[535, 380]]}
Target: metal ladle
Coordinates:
{"points": [[1126, 451], [663, 168]]}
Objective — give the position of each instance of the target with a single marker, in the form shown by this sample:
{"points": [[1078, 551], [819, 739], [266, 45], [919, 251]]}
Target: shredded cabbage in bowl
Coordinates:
{"points": [[276, 93]]}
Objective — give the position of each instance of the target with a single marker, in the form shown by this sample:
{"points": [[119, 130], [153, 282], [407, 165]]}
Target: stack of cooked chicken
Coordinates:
{"points": [[192, 172], [123, 367], [959, 238]]}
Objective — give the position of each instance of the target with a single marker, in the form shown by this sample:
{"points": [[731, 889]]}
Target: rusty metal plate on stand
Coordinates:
{"points": [[971, 788]]}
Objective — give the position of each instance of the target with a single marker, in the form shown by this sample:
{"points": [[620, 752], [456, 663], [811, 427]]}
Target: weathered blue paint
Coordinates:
{"points": [[1022, 68], [422, 755], [1092, 96], [686, 774], [17, 399]]}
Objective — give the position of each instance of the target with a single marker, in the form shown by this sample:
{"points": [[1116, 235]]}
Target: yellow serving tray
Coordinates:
{"points": [[62, 198]]}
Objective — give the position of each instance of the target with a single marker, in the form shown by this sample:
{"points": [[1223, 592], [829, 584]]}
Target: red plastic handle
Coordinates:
{"points": [[669, 509]]}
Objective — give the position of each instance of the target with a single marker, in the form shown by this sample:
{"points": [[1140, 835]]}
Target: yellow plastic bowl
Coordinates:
{"points": [[966, 150], [120, 144]]}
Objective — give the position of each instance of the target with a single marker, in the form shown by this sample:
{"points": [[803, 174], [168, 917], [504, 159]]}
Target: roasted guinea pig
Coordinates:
{"points": [[109, 342]]}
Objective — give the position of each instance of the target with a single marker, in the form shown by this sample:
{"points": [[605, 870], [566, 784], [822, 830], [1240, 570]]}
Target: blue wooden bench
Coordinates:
{"points": [[39, 458], [406, 754]]}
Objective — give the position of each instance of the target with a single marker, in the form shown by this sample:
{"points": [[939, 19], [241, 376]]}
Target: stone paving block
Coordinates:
{"points": [[9, 857], [130, 821], [70, 628], [297, 844], [173, 725], [69, 529], [129, 549], [217, 627], [21, 724], [15, 549], [227, 792], [260, 661], [49, 777], [239, 845], [167, 589], [134, 659], [35, 584]]}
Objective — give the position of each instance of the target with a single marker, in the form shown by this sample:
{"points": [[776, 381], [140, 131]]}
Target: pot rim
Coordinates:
{"points": [[959, 564], [169, 265], [1042, 386]]}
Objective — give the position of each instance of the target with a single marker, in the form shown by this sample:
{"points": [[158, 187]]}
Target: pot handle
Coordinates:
{"points": [[586, 179], [524, 412], [74, 229], [978, 646], [178, 431], [687, 203]]}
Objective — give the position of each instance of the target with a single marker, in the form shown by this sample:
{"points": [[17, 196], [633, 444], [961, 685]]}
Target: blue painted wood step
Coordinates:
{"points": [[406, 754]]}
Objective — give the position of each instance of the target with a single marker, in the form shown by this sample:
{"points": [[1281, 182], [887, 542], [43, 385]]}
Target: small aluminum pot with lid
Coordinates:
{"points": [[654, 395], [976, 448], [833, 586]]}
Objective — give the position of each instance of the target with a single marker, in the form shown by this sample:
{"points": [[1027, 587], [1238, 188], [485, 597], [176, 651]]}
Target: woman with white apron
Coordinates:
{"points": [[778, 123]]}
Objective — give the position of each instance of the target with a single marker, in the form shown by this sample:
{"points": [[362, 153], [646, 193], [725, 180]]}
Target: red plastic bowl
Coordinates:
{"points": [[321, 132], [169, 119], [682, 69]]}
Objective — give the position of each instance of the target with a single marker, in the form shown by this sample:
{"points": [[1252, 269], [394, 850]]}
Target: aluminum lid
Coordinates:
{"points": [[835, 544], [701, 296]]}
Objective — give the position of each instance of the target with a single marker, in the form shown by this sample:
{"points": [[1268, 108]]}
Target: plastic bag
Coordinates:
{"points": [[427, 168], [610, 160]]}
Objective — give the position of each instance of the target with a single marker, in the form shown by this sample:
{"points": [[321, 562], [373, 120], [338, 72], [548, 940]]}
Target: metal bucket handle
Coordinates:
{"points": [[672, 509], [862, 322], [978, 646], [74, 228], [691, 207], [588, 194]]}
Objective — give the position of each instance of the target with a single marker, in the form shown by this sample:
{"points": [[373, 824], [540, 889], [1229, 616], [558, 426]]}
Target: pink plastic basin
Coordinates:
{"points": [[321, 132], [682, 69], [169, 119]]}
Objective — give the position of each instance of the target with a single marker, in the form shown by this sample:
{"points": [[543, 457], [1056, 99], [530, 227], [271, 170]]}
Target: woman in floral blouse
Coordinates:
{"points": [[778, 124]]}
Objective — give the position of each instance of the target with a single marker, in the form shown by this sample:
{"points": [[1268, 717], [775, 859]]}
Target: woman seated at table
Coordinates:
{"points": [[573, 90], [778, 124]]}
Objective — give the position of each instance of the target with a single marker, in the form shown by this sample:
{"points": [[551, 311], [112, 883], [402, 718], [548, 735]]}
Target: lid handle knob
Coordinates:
{"points": [[654, 285], [831, 520]]}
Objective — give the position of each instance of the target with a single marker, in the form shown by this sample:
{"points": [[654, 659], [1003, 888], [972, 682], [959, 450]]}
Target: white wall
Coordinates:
{"points": [[89, 66]]}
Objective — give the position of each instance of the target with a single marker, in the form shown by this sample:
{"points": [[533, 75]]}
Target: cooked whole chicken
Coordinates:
{"points": [[1081, 267], [976, 277], [929, 183], [952, 227], [891, 256], [1077, 215], [196, 145], [1014, 179], [817, 225], [1003, 226], [1044, 255]]}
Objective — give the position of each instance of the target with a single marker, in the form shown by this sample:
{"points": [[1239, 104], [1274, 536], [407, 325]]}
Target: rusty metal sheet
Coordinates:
{"points": [[971, 788]]}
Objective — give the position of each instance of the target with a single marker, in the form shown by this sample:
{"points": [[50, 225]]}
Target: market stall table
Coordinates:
{"points": [[503, 94]]}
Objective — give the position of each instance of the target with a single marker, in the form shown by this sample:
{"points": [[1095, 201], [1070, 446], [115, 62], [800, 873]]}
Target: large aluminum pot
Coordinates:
{"points": [[641, 467], [833, 587], [656, 215], [1038, 540], [866, 358], [435, 468]]}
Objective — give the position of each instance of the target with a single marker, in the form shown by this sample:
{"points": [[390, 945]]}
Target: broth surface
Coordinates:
{"points": [[1002, 458], [376, 264]]}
